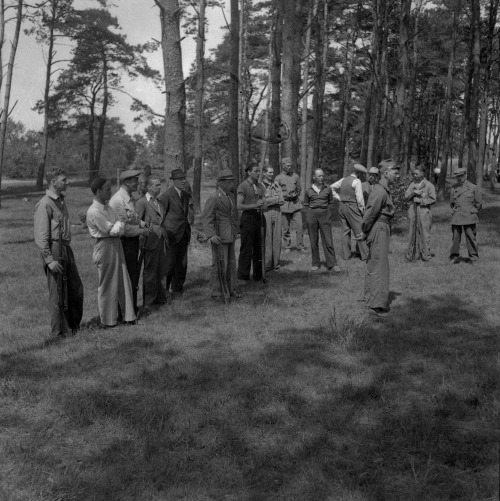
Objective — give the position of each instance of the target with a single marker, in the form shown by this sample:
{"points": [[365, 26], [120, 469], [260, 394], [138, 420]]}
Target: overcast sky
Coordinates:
{"points": [[140, 22]]}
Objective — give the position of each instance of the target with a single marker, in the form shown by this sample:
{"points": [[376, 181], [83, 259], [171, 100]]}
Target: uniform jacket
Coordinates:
{"points": [[290, 187], [379, 204], [465, 204], [153, 215], [220, 217], [179, 215]]}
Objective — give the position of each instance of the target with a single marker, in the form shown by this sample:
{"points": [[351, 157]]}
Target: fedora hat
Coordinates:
{"points": [[177, 174]]}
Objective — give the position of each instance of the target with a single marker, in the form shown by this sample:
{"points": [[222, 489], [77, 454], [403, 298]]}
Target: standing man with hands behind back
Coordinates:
{"points": [[53, 237]]}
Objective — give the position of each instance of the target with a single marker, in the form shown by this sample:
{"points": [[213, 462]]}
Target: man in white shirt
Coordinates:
{"points": [[114, 292], [123, 204], [349, 192]]}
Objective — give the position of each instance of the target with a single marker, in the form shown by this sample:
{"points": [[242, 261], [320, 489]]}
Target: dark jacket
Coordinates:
{"points": [[465, 204], [149, 213], [220, 217], [179, 215]]}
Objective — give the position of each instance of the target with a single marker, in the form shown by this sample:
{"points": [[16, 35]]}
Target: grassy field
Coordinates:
{"points": [[291, 393]]}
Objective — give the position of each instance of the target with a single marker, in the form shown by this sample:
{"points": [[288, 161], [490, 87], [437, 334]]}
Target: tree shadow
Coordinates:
{"points": [[301, 419]]}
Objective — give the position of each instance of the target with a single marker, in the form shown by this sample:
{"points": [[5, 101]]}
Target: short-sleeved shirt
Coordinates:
{"points": [[251, 192]]}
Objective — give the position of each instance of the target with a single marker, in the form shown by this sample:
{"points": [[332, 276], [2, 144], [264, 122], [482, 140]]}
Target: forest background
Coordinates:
{"points": [[324, 82]]}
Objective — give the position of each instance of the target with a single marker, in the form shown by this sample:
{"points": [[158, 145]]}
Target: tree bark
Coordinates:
{"points": [[198, 108], [175, 109], [292, 41], [8, 83], [234, 152]]}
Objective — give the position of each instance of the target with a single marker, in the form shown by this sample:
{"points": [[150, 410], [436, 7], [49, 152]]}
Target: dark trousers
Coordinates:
{"points": [[318, 222], [131, 251], [64, 321], [470, 237], [176, 269], [153, 275], [250, 250]]}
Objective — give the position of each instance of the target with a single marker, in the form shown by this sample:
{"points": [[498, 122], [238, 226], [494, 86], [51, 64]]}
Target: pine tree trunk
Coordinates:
{"points": [[175, 109], [8, 83], [291, 76], [102, 121], [234, 155], [198, 108]]}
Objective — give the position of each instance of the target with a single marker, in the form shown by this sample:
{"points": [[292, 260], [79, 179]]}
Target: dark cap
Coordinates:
{"points": [[225, 174], [127, 174], [286, 160], [386, 164], [177, 174], [459, 172]]}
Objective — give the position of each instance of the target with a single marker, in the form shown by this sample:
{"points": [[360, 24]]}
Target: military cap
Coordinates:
{"points": [[459, 172], [359, 168], [177, 174], [373, 170], [225, 174], [286, 160], [127, 174], [386, 164]]}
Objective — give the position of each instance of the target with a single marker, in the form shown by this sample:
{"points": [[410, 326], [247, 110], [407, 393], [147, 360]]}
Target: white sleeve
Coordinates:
{"points": [[358, 190]]}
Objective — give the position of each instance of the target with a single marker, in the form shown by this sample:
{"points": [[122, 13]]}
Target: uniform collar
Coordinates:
{"points": [[384, 185], [54, 196]]}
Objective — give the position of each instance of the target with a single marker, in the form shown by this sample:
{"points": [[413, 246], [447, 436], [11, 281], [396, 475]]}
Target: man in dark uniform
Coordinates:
{"points": [[123, 204], [367, 185], [250, 200], [178, 220], [220, 224], [466, 201], [51, 221], [151, 210], [376, 230], [349, 193]]}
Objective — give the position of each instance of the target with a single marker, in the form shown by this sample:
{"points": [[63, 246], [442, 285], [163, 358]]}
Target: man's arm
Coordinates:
{"points": [[335, 188], [429, 196], [358, 191], [373, 208], [208, 218]]}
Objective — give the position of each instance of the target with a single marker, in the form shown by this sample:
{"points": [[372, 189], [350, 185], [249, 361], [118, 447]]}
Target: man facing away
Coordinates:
{"points": [[318, 198], [272, 214], [250, 200], [220, 224], [376, 230], [291, 209], [422, 195], [123, 204], [466, 202], [151, 211], [114, 291], [53, 237], [179, 216], [348, 191]]}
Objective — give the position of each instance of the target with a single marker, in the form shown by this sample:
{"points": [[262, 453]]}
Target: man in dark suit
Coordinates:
{"points": [[178, 219], [151, 211]]}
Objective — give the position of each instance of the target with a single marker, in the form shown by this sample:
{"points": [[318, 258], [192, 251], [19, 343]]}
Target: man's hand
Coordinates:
{"points": [[417, 200], [215, 240], [360, 237], [55, 267], [417, 192], [260, 203]]}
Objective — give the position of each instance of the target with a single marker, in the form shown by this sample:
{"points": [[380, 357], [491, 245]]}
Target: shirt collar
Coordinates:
{"points": [[384, 184], [125, 194], [99, 205], [149, 197], [53, 195]]}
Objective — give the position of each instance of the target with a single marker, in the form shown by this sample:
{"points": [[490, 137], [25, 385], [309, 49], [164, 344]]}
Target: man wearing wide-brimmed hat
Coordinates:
{"points": [[123, 204], [465, 204], [349, 192], [179, 216], [220, 224]]}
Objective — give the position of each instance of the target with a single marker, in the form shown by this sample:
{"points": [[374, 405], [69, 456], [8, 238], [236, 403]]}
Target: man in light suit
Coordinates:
{"points": [[151, 211], [178, 219], [466, 202]]}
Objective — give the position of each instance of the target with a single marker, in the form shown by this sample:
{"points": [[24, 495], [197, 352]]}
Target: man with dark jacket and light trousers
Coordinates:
{"points": [[220, 224]]}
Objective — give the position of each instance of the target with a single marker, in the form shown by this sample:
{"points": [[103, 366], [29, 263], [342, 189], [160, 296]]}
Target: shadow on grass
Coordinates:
{"points": [[302, 419]]}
